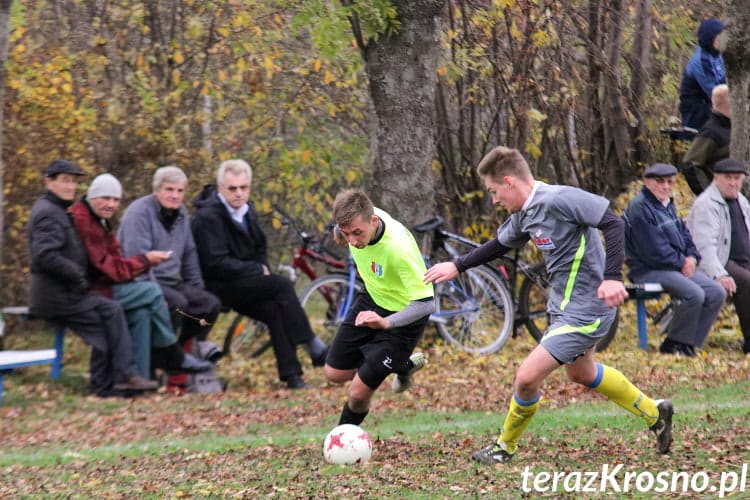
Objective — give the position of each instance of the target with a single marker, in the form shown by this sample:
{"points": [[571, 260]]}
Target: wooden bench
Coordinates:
{"points": [[12, 359], [641, 292]]}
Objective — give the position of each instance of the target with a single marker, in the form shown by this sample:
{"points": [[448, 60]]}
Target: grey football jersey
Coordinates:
{"points": [[561, 221]]}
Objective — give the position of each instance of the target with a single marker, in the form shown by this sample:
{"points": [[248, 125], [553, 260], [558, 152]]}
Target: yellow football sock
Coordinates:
{"points": [[613, 384], [518, 417]]}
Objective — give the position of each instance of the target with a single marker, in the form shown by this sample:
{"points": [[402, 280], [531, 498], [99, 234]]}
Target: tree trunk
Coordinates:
{"points": [[639, 62], [610, 140], [5, 7], [617, 146], [402, 73], [737, 59]]}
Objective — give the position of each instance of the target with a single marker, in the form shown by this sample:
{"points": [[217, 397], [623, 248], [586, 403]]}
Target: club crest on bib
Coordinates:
{"points": [[376, 268]]}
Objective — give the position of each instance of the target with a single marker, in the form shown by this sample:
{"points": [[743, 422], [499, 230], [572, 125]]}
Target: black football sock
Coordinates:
{"points": [[350, 417]]}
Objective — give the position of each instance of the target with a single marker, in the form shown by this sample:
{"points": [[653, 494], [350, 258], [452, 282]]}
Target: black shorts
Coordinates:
{"points": [[391, 348]]}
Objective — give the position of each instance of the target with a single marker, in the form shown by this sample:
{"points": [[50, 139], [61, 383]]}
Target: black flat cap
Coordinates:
{"points": [[729, 166], [660, 170], [62, 167]]}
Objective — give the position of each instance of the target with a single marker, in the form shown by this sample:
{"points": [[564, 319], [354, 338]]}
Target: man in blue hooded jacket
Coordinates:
{"points": [[659, 249], [703, 72]]}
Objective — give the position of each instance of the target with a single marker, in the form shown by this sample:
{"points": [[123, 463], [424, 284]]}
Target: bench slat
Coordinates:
{"points": [[15, 359], [12, 359]]}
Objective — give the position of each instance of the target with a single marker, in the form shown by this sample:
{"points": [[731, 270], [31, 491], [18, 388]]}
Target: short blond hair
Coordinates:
{"points": [[352, 203], [502, 161]]}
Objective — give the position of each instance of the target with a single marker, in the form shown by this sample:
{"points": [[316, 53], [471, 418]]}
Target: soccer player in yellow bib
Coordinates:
{"points": [[387, 320], [586, 286]]}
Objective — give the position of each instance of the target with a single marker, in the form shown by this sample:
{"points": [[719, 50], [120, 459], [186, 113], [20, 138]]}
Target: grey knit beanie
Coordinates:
{"points": [[104, 185]]}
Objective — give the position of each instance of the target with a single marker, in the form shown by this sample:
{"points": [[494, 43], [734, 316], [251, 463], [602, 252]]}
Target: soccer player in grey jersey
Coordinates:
{"points": [[564, 223]]}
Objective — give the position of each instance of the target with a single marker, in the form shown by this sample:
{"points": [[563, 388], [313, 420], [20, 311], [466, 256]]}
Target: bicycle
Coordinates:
{"points": [[529, 297], [327, 300], [248, 338]]}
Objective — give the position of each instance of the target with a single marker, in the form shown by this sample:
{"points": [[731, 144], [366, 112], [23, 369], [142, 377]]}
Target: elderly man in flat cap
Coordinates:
{"points": [[659, 249], [720, 223], [60, 289]]}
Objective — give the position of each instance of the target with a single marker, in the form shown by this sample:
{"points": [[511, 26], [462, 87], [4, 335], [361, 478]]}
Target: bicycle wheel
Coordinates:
{"points": [[246, 338], [533, 298], [474, 311], [663, 318], [325, 303]]}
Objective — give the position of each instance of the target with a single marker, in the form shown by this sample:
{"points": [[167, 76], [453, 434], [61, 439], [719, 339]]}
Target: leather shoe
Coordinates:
{"points": [[670, 346], [137, 383], [191, 364], [320, 359], [296, 382], [686, 350]]}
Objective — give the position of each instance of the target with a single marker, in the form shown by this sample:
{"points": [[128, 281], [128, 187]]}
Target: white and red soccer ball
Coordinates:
{"points": [[347, 444]]}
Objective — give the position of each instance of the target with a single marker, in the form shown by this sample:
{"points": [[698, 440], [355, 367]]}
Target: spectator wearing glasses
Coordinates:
{"points": [[232, 250], [659, 249]]}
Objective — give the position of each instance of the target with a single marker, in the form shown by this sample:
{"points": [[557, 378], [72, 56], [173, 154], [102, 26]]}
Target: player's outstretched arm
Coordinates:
{"points": [[438, 273]]}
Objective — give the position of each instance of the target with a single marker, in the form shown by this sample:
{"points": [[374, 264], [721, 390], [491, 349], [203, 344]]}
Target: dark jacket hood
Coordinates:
{"points": [[707, 31], [207, 197]]}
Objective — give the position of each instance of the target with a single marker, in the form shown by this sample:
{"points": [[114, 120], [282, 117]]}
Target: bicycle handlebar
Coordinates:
{"points": [[441, 237], [307, 238], [436, 226]]}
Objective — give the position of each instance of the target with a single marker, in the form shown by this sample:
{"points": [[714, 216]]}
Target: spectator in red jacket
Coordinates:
{"points": [[125, 280]]}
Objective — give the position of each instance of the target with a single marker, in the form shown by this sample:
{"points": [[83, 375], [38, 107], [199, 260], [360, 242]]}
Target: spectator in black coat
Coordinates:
{"points": [[711, 144], [232, 252]]}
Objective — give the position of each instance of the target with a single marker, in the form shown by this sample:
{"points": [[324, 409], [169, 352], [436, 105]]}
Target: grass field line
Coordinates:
{"points": [[601, 413]]}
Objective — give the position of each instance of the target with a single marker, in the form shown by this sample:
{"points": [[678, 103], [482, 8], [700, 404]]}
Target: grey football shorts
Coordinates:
{"points": [[567, 338]]}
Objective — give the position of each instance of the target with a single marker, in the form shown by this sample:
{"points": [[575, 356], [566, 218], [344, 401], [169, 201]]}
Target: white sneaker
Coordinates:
{"points": [[402, 383]]}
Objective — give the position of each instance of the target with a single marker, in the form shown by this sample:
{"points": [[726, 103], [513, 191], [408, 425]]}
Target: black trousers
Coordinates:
{"points": [[741, 277], [105, 329], [196, 302], [272, 300]]}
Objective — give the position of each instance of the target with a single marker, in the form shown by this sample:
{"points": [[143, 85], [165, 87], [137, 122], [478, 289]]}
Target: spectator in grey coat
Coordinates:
{"points": [[160, 221]]}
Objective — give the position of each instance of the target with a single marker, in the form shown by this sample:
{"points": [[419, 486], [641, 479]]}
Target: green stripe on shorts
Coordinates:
{"points": [[585, 329]]}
